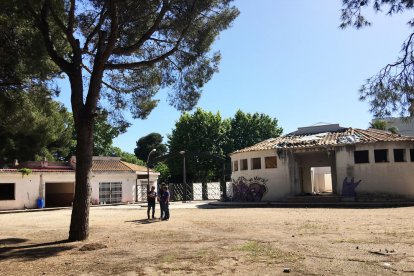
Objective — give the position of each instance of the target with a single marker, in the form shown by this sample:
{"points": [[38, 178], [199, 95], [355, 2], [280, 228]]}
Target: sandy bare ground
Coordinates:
{"points": [[212, 242]]}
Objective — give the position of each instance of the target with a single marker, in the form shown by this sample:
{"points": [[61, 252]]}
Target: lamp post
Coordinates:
{"points": [[184, 176], [149, 154]]}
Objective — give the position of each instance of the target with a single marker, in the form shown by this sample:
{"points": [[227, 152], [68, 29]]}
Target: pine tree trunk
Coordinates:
{"points": [[79, 225]]}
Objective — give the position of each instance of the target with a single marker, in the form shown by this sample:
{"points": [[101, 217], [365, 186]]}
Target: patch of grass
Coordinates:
{"points": [[168, 258], [310, 226], [266, 251]]}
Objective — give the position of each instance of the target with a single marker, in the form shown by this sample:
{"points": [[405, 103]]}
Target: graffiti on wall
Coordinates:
{"points": [[348, 187], [251, 189]]}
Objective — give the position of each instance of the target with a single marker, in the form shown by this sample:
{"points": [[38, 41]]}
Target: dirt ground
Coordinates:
{"points": [[198, 241]]}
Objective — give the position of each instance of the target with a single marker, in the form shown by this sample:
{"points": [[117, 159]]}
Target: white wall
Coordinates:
{"points": [[390, 177], [278, 180], [128, 180], [30, 187]]}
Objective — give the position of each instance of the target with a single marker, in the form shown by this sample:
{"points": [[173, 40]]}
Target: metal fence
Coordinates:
{"points": [[195, 191]]}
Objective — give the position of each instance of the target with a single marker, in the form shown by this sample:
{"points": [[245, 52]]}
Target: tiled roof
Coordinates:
{"points": [[109, 165], [344, 136], [135, 167], [99, 164], [116, 165]]}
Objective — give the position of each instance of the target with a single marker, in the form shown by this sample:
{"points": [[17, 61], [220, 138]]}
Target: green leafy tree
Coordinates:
{"points": [[199, 134], [132, 49], [149, 142], [392, 88], [164, 171], [125, 156], [33, 126], [248, 129]]}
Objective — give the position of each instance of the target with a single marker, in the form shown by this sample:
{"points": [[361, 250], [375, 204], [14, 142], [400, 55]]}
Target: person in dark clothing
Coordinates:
{"points": [[160, 191], [152, 195], [165, 201]]}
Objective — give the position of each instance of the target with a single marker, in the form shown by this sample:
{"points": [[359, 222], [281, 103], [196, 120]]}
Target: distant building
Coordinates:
{"points": [[326, 159], [112, 181], [403, 126]]}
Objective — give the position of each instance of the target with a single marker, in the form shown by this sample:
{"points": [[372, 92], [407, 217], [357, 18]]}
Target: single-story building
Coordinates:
{"points": [[325, 159], [112, 181]]}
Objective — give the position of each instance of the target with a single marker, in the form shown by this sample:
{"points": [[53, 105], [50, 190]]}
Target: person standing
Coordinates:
{"points": [[152, 195], [165, 201]]}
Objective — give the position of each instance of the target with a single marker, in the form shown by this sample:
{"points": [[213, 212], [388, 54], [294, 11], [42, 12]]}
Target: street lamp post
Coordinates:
{"points": [[148, 177], [184, 176]]}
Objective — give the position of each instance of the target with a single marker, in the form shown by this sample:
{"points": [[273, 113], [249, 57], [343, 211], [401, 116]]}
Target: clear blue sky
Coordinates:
{"points": [[288, 59]]}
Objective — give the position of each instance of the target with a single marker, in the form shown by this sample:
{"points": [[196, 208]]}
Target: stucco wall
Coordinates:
{"points": [[278, 181], [128, 183], [390, 177], [30, 187]]}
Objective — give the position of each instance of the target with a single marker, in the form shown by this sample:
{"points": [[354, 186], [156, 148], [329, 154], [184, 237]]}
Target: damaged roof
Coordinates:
{"points": [[330, 135]]}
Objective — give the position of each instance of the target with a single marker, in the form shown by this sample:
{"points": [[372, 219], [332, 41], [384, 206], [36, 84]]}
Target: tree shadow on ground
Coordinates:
{"points": [[12, 241], [144, 221], [34, 251]]}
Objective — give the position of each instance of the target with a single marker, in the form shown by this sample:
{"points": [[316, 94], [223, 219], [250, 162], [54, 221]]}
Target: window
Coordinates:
{"points": [[361, 156], [7, 191], [235, 166], [256, 163], [243, 164], [110, 192], [381, 156], [270, 162], [412, 155], [399, 155]]}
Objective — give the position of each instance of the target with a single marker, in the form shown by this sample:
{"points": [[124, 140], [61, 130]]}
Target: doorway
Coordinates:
{"points": [[317, 172], [59, 194], [321, 178]]}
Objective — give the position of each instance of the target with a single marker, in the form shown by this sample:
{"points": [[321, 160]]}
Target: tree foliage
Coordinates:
{"points": [[125, 156], [392, 88], [132, 49], [33, 126], [198, 134], [204, 135], [149, 142], [248, 129], [382, 125]]}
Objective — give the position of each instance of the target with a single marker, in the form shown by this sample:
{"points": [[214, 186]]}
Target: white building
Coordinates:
{"points": [[326, 159], [112, 181]]}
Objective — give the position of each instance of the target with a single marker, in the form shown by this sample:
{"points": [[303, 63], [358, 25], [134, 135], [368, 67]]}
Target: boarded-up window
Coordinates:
{"points": [[235, 166], [256, 163], [381, 155], [7, 191], [399, 155], [361, 156], [270, 162], [243, 164]]}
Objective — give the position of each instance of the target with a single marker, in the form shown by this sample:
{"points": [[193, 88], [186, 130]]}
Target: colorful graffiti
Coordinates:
{"points": [[251, 189], [348, 188]]}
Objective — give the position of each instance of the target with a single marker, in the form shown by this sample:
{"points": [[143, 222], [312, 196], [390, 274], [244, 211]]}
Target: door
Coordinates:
{"points": [[110, 192]]}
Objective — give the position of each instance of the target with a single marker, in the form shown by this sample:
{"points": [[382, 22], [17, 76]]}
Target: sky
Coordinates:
{"points": [[289, 60]]}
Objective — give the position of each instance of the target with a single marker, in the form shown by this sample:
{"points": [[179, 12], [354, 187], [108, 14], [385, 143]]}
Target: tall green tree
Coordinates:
{"points": [[199, 135], [392, 88], [132, 48], [33, 126], [248, 129], [149, 142]]}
